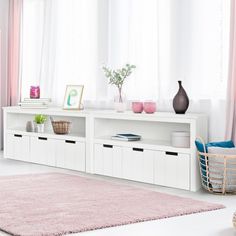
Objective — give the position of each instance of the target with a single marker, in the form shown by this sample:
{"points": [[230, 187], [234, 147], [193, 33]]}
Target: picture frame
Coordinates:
{"points": [[73, 97]]}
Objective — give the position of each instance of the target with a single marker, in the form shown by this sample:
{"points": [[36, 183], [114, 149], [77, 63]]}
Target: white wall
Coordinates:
{"points": [[4, 4]]}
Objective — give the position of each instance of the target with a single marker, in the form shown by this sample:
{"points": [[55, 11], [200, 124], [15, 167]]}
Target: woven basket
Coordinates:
{"points": [[61, 127], [218, 171]]}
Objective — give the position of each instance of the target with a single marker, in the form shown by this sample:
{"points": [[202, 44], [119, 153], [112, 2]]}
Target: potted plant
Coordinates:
{"points": [[40, 120], [117, 78]]}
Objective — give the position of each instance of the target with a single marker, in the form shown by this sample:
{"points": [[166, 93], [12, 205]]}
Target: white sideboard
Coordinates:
{"points": [[89, 147]]}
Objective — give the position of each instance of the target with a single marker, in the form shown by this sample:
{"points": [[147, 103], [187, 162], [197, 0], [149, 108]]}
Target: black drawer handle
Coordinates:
{"points": [[107, 146], [138, 149], [70, 141], [172, 153], [42, 138], [18, 135]]}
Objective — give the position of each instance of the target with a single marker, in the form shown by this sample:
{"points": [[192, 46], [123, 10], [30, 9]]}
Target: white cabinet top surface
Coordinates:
{"points": [[109, 114]]}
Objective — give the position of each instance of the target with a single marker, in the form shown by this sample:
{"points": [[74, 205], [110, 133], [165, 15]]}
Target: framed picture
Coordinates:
{"points": [[73, 96]]}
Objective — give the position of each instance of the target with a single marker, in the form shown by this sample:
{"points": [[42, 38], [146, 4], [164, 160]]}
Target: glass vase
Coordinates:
{"points": [[120, 103]]}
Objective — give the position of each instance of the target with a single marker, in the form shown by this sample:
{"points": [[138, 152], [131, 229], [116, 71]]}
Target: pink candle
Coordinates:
{"points": [[137, 107], [149, 107], [34, 92]]}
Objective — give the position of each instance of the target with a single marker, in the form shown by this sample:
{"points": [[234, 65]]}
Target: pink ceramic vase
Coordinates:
{"points": [[137, 107], [149, 107]]}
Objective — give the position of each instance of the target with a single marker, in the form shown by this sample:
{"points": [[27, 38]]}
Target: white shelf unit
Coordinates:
{"points": [[65, 151], [89, 146], [152, 159]]}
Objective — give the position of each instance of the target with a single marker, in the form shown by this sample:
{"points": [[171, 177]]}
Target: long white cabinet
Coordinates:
{"points": [[89, 147]]}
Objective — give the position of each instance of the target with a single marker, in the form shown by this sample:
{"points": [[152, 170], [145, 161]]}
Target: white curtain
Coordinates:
{"points": [[68, 41]]}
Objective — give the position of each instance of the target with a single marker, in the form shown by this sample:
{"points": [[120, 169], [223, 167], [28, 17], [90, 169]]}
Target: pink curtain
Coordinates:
{"points": [[15, 10], [9, 58], [231, 99]]}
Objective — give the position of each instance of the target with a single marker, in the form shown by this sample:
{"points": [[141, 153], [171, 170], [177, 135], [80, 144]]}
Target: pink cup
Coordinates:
{"points": [[137, 107], [149, 107]]}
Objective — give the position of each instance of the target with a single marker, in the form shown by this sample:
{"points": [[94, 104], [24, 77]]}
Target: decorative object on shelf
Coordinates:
{"points": [[234, 220], [34, 92], [117, 78], [137, 107], [73, 97], [149, 107], [30, 127], [126, 137], [40, 120], [118, 105], [180, 139], [181, 101], [61, 126], [31, 103]]}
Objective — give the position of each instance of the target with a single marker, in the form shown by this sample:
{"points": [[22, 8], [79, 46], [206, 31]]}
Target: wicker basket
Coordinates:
{"points": [[61, 127], [218, 171]]}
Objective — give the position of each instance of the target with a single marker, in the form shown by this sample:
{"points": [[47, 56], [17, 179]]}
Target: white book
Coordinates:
{"points": [[37, 100], [33, 103], [34, 107]]}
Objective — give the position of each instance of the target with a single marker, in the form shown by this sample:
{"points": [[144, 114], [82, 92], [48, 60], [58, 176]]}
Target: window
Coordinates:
{"points": [[67, 42]]}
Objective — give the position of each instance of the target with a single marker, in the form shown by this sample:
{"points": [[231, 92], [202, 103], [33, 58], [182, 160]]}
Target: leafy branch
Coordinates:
{"points": [[117, 77]]}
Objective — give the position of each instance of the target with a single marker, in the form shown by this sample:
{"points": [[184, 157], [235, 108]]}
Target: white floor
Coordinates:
{"points": [[217, 223]]}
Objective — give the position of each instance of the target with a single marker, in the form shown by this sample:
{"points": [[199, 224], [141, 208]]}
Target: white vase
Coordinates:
{"points": [[120, 106], [40, 128], [120, 102], [30, 126]]}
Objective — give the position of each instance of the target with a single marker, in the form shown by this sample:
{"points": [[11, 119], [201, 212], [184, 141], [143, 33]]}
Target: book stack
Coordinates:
{"points": [[37, 103], [126, 137]]}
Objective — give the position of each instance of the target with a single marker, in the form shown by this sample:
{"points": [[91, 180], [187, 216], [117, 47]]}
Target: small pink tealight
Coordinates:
{"points": [[137, 107], [149, 107]]}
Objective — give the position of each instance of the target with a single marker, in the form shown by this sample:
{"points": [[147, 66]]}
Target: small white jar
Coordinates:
{"points": [[180, 139]]}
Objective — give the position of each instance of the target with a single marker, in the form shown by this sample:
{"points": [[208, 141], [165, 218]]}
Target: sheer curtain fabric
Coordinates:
{"points": [[231, 95], [68, 41]]}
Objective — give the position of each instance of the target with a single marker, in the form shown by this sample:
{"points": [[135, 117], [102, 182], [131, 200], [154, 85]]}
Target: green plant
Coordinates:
{"points": [[40, 119], [117, 77]]}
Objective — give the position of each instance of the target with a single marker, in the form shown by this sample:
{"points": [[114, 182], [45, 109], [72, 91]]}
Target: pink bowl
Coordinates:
{"points": [[137, 107], [149, 107]]}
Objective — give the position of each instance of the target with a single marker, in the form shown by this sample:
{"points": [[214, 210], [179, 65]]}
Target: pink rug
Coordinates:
{"points": [[57, 204]]}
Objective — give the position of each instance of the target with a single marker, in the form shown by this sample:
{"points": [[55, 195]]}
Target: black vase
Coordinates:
{"points": [[181, 101]]}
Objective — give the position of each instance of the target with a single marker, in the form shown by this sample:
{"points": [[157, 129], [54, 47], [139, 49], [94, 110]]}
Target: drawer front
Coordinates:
{"points": [[74, 155], [60, 153], [108, 160], [18, 147], [70, 154], [172, 170], [138, 164], [42, 150], [98, 159]]}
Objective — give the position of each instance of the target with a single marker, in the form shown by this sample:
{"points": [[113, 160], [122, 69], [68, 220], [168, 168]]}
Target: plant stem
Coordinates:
{"points": [[120, 95]]}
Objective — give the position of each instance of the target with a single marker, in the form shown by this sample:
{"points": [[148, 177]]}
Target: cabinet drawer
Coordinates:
{"points": [[138, 164], [108, 160], [18, 147], [70, 154], [172, 170], [42, 150]]}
